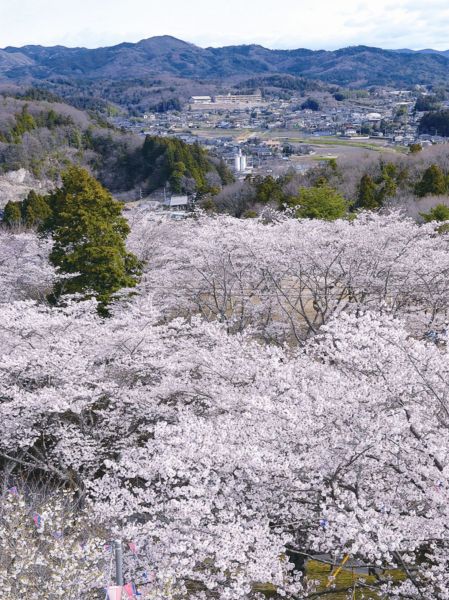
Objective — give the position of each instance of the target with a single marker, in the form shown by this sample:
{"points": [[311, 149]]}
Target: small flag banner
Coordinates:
{"points": [[38, 521], [14, 491], [57, 534], [324, 523], [132, 546], [130, 589], [114, 592]]}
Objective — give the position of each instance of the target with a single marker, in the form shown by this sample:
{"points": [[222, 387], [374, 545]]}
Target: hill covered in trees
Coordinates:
{"points": [[41, 133], [171, 57], [435, 122], [415, 183]]}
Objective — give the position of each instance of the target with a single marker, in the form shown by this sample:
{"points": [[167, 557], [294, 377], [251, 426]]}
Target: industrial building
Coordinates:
{"points": [[240, 162], [255, 98], [201, 100]]}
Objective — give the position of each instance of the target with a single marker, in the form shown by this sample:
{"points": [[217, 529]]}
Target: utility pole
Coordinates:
{"points": [[118, 562]]}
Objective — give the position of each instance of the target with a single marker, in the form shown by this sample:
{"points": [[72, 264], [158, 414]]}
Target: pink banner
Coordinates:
{"points": [[114, 592], [130, 590]]}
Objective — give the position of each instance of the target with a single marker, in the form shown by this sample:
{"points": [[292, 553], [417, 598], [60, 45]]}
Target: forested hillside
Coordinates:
{"points": [[414, 183], [143, 76], [170, 57], [42, 134]]}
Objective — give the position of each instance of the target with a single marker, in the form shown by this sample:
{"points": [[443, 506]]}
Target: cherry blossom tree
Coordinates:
{"points": [[215, 454], [225, 460], [24, 268], [288, 278], [49, 550]]}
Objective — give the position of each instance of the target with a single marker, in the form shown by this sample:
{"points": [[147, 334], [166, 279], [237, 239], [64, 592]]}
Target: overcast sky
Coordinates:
{"points": [[313, 24]]}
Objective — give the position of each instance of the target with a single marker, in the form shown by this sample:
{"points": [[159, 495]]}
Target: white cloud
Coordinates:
{"points": [[284, 24]]}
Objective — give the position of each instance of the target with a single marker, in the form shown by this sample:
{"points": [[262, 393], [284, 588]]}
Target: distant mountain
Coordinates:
{"points": [[168, 56], [11, 61], [424, 51], [430, 51]]}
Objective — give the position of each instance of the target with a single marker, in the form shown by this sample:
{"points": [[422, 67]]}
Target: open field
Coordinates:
{"points": [[324, 147], [372, 144]]}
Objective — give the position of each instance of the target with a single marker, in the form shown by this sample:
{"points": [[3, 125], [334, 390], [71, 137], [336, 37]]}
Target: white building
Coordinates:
{"points": [[373, 117], [240, 162], [239, 98], [201, 99], [177, 203]]}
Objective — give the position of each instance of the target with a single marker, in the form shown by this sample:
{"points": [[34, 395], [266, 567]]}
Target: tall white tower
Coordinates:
{"points": [[240, 161], [237, 158]]}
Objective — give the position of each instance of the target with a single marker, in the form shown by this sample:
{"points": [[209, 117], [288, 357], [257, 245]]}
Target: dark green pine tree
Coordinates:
{"points": [[432, 183], [367, 196], [322, 202], [11, 214], [89, 234], [440, 212], [35, 210]]}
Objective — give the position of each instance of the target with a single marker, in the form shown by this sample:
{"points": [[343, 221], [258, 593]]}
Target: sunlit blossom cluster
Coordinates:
{"points": [[273, 391]]}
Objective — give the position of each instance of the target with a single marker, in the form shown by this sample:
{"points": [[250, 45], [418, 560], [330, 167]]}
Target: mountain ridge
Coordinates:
{"points": [[169, 56]]}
